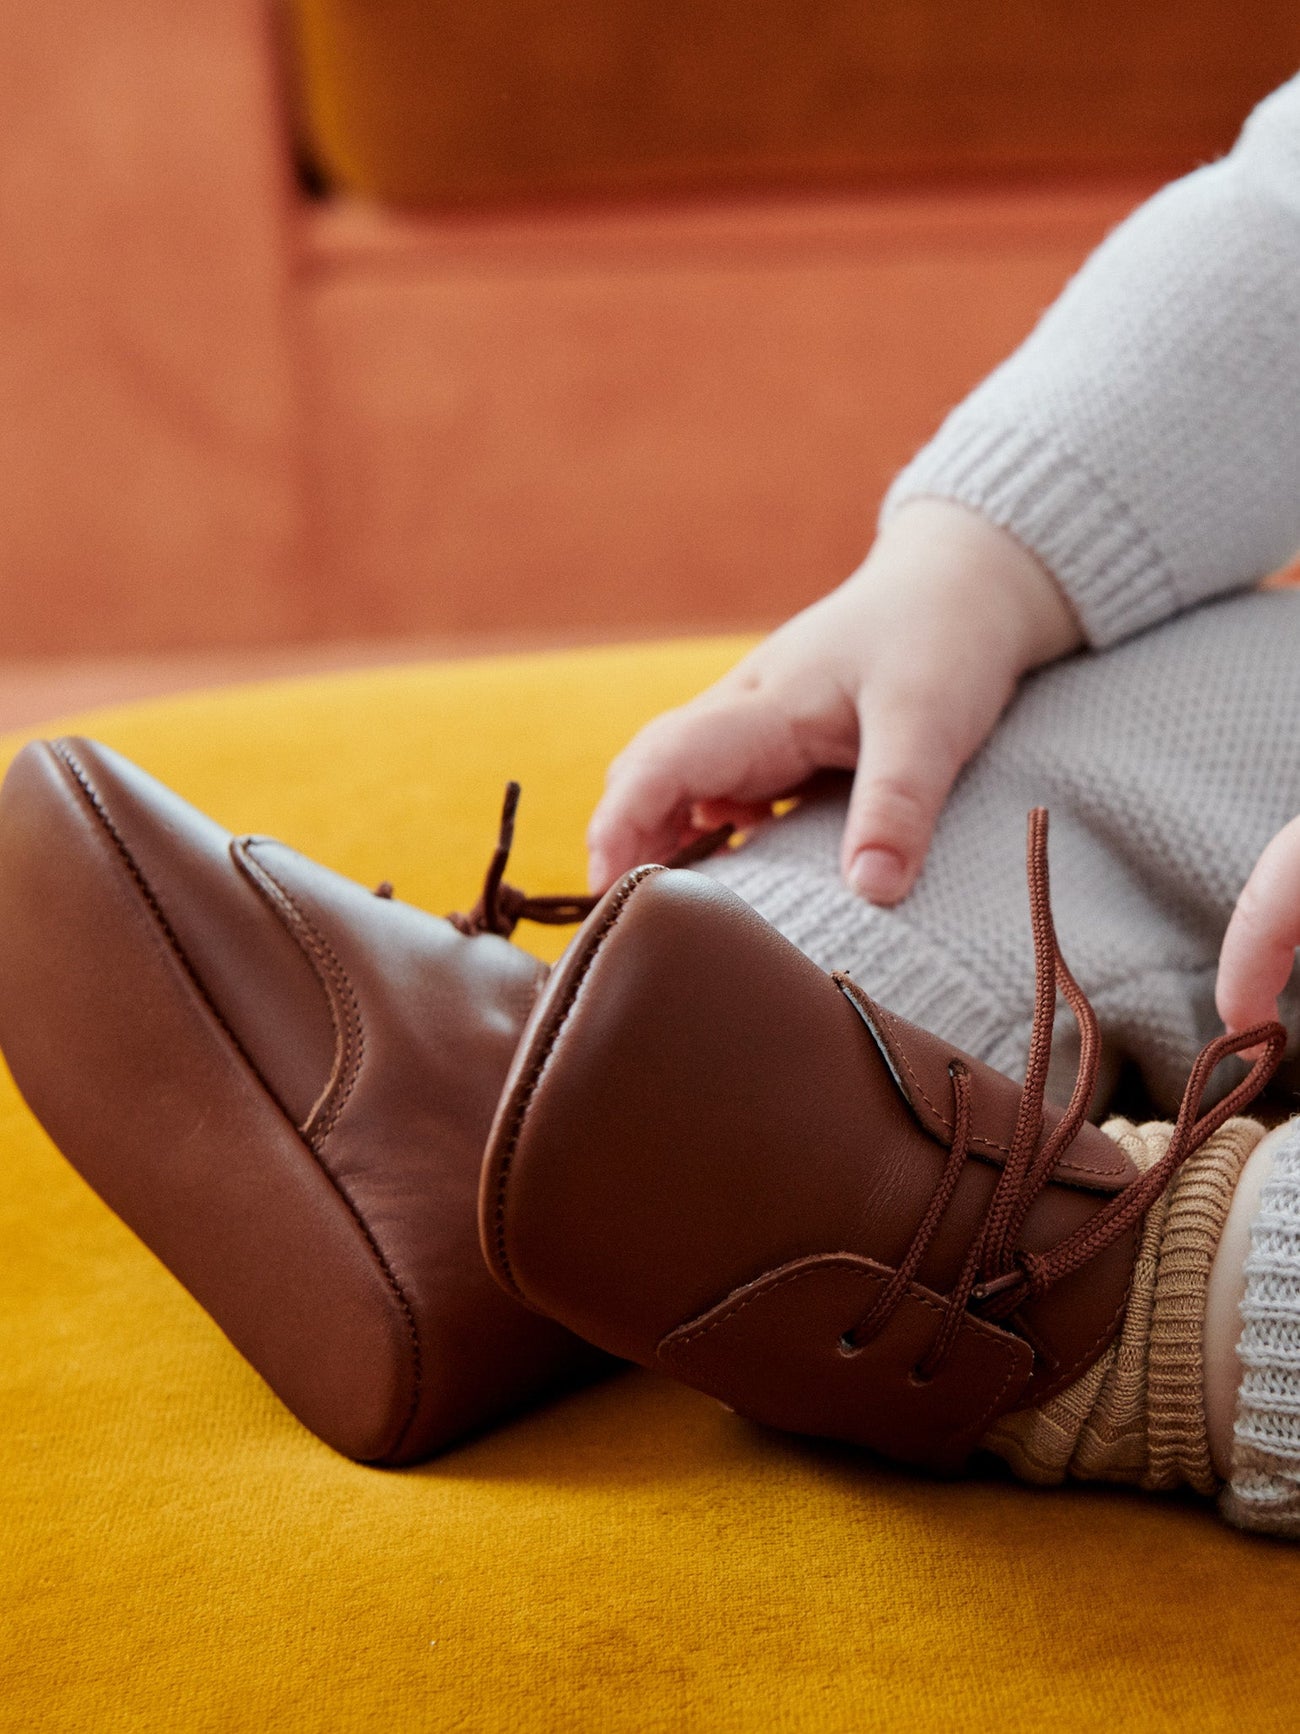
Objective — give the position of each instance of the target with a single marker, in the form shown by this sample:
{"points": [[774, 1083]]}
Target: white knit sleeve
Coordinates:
{"points": [[1144, 441]]}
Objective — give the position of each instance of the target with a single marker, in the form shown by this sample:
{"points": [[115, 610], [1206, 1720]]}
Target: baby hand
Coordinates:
{"points": [[1258, 949], [901, 672]]}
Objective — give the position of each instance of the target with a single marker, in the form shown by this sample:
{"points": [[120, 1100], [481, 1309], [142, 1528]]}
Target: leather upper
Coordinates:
{"points": [[283, 1082], [707, 1160]]}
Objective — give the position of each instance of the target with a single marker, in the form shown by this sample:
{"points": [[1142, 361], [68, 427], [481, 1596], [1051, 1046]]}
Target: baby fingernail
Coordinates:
{"points": [[878, 875]]}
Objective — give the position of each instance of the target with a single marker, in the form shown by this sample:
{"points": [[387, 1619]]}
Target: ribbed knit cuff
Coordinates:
{"points": [[1027, 482], [1263, 1491], [1178, 1439], [1138, 1414]]}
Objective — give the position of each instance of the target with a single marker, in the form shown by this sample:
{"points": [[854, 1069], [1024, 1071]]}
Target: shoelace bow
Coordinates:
{"points": [[997, 1276], [501, 907]]}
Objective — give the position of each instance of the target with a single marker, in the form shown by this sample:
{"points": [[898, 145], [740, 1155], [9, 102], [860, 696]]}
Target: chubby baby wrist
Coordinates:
{"points": [[980, 561]]}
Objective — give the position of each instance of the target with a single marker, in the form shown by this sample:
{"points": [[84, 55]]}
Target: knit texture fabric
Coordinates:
{"points": [[1167, 763], [1263, 1491], [1144, 441], [1138, 1414]]}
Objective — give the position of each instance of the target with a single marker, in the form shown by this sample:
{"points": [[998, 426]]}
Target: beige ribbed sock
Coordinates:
{"points": [[1138, 1414]]}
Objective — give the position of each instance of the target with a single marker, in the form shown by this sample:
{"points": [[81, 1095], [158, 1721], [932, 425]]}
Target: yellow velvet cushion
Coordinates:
{"points": [[177, 1553]]}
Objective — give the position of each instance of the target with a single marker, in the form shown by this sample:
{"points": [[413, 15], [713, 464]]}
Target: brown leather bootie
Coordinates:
{"points": [[282, 1082], [718, 1161]]}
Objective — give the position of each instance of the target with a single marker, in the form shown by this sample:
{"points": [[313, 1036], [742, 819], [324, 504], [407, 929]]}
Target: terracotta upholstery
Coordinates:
{"points": [[665, 417], [149, 402], [422, 102], [180, 1554], [233, 415]]}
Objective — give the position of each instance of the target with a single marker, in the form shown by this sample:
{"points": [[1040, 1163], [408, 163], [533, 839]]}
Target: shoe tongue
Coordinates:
{"points": [[919, 1063]]}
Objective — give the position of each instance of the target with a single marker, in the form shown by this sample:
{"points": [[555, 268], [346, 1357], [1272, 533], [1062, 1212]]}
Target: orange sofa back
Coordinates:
{"points": [[425, 103]]}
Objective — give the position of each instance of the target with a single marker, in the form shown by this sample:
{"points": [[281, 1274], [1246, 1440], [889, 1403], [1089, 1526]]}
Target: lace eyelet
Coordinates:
{"points": [[848, 1347]]}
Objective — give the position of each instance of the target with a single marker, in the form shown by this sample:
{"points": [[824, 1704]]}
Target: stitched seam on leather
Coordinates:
{"points": [[994, 1408], [1084, 1359], [760, 1288], [842, 1263], [527, 1085], [340, 995], [92, 797], [897, 1053], [322, 957], [94, 801], [900, 1057], [271, 894]]}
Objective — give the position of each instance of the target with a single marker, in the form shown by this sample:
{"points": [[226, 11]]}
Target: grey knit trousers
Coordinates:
{"points": [[1167, 763]]}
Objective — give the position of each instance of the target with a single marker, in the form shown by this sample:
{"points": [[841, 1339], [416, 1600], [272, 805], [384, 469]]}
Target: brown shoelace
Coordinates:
{"points": [[996, 1276], [502, 907]]}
